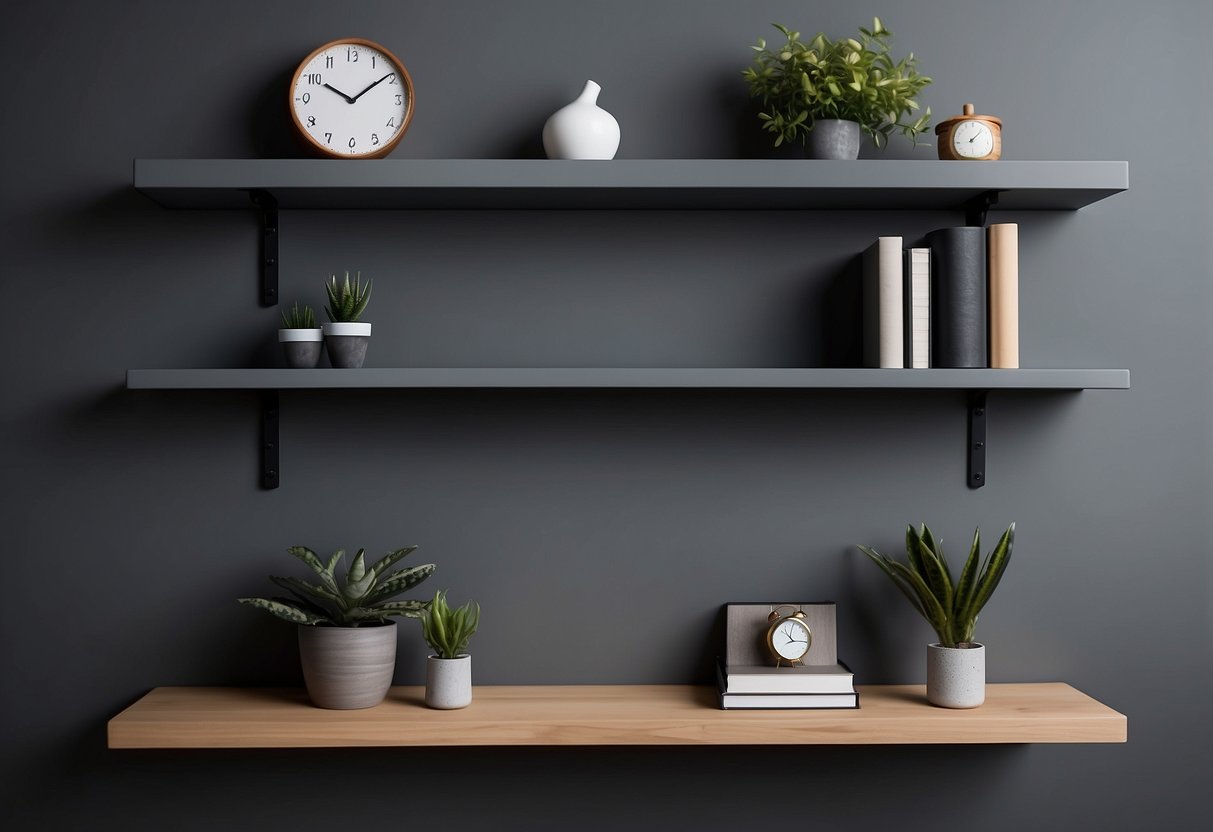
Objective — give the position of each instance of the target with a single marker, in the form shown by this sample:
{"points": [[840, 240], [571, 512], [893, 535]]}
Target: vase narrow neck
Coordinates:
{"points": [[589, 95]]}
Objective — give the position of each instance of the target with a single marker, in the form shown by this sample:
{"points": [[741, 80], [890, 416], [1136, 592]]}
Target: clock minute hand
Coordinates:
{"points": [[348, 100], [372, 86]]}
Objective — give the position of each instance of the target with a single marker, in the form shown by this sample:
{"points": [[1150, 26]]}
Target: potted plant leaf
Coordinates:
{"points": [[347, 638], [302, 341], [825, 92], [345, 337], [956, 665], [448, 673]]}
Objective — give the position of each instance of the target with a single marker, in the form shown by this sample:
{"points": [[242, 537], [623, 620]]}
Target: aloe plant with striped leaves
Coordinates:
{"points": [[448, 630], [347, 301], [358, 595], [949, 605]]}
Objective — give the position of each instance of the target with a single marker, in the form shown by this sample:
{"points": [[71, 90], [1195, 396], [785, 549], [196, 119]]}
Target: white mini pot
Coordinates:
{"points": [[301, 347], [956, 676], [448, 682], [346, 343], [582, 130]]}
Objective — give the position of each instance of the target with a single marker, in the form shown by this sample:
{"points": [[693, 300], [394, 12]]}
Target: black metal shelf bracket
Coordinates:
{"points": [[976, 208], [269, 439], [267, 209], [977, 438]]}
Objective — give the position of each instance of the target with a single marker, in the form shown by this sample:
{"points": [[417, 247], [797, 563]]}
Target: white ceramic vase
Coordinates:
{"points": [[346, 668], [956, 676], [448, 682], [582, 130]]}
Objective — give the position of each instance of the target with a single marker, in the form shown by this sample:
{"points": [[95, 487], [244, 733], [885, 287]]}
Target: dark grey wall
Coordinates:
{"points": [[131, 521]]}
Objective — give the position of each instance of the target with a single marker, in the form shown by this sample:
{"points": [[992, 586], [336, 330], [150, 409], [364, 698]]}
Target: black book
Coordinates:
{"points": [[958, 297]]}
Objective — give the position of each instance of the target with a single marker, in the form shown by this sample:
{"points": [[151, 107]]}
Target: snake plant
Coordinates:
{"points": [[448, 630], [347, 301], [360, 596], [949, 606], [296, 318]]}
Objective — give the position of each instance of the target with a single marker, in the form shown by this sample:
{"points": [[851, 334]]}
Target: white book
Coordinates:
{"points": [[918, 307], [883, 313], [809, 678], [789, 700]]}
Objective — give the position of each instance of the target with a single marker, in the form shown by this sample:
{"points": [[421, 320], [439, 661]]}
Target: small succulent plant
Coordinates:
{"points": [[297, 318], [950, 607], [360, 597], [347, 301], [448, 630]]}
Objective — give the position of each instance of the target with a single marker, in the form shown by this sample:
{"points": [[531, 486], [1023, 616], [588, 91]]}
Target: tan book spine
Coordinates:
{"points": [[1003, 271]]}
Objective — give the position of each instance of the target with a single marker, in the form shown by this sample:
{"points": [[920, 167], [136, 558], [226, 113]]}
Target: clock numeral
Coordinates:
{"points": [[391, 79], [372, 61], [305, 98], [374, 138], [328, 138], [311, 121], [399, 100], [351, 141], [314, 78], [328, 61], [351, 55], [391, 122]]}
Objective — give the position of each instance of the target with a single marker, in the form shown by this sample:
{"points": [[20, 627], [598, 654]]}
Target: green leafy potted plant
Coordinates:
{"points": [[347, 638], [345, 337], [956, 664], [302, 341], [448, 673], [825, 92]]}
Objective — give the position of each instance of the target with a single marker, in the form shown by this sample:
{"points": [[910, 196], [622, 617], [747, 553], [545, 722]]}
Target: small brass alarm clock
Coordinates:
{"points": [[970, 137], [788, 636]]}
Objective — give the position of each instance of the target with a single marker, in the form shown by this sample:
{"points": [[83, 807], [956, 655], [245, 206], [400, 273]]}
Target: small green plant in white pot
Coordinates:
{"points": [[956, 668], [302, 340], [448, 673], [347, 638], [825, 92], [346, 337]]}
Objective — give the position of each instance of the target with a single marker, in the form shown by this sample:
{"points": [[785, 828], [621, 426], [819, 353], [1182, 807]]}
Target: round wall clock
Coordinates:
{"points": [[351, 99], [970, 136], [789, 636]]}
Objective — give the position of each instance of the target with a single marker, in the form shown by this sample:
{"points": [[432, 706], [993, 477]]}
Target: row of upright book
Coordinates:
{"points": [[950, 300]]}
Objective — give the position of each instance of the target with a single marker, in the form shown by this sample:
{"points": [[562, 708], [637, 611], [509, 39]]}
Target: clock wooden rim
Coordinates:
{"points": [[945, 128], [405, 79]]}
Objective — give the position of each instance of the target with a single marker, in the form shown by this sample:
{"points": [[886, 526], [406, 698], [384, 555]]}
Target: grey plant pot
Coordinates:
{"points": [[347, 668], [448, 682], [956, 676], [832, 138], [301, 347], [346, 344]]}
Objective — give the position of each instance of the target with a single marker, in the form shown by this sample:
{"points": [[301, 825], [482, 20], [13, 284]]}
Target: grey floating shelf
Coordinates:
{"points": [[637, 184], [616, 377]]}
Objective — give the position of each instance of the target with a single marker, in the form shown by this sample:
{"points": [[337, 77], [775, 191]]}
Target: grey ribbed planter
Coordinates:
{"points": [[832, 138], [346, 668], [346, 343], [956, 676]]}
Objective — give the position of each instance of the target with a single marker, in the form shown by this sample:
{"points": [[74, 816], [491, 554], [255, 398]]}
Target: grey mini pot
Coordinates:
{"points": [[346, 343], [956, 676], [301, 347], [448, 682], [346, 668], [832, 138]]}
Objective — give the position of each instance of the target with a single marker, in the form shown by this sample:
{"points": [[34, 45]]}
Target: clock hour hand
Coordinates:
{"points": [[348, 100], [372, 86]]}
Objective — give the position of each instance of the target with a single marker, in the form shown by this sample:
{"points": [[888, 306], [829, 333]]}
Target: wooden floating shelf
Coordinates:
{"points": [[612, 377], [637, 184], [213, 717]]}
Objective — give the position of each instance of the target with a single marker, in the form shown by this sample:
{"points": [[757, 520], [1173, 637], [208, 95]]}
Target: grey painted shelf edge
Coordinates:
{"points": [[622, 378], [730, 184]]}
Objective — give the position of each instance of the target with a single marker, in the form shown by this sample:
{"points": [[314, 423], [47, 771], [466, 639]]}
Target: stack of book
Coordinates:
{"points": [[801, 686], [951, 300]]}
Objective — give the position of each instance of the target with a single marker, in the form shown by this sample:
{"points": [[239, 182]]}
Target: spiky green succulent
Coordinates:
{"points": [[347, 300], [949, 606], [360, 596], [448, 630], [296, 318]]}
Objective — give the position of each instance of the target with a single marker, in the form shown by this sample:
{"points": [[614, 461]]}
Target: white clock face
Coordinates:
{"points": [[972, 139], [351, 99], [791, 639]]}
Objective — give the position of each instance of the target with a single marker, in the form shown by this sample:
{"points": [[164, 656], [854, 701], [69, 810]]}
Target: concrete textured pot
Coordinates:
{"points": [[956, 676], [346, 343], [347, 668], [832, 138], [301, 347], [581, 130], [448, 682]]}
